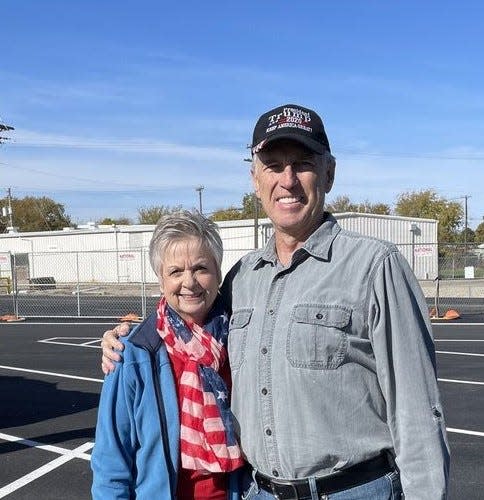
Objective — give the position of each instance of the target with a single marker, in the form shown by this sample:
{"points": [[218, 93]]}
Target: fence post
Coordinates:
{"points": [[13, 268], [143, 284], [437, 293], [78, 290]]}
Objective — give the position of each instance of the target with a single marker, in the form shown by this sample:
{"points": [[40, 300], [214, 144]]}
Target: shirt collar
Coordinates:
{"points": [[318, 244]]}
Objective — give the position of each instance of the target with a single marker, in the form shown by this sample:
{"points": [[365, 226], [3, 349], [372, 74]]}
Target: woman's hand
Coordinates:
{"points": [[111, 344]]}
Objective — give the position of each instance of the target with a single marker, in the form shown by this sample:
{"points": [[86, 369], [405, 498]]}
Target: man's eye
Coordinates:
{"points": [[304, 165], [273, 166]]}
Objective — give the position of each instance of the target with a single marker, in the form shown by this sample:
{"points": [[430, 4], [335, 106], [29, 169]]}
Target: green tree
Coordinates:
{"points": [[341, 204], [120, 221], [479, 233], [36, 214], [374, 208], [230, 213], [467, 235], [344, 204], [248, 206], [151, 215], [246, 212], [428, 204]]}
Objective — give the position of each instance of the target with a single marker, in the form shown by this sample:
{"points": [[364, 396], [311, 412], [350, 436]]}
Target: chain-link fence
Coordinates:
{"points": [[456, 282], [111, 284]]}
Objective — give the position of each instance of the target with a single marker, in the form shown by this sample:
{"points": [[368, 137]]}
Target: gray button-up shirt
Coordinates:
{"points": [[333, 361]]}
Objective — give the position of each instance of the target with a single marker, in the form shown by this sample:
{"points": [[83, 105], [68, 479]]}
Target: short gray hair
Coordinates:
{"points": [[183, 225], [328, 159]]}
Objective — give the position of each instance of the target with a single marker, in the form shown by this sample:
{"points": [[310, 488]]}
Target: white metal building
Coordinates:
{"points": [[100, 254]]}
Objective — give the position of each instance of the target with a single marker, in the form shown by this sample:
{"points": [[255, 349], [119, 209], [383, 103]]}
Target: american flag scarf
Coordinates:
{"points": [[207, 437]]}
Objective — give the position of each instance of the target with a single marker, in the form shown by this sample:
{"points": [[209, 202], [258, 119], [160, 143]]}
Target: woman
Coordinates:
{"points": [[164, 426]]}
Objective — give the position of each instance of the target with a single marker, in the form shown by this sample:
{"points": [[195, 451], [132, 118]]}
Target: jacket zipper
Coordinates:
{"points": [[163, 424]]}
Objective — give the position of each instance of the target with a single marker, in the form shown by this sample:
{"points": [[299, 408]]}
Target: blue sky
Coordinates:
{"points": [[122, 105]]}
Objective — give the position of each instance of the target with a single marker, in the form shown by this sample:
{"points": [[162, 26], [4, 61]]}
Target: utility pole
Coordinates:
{"points": [[200, 189], [8, 209]]}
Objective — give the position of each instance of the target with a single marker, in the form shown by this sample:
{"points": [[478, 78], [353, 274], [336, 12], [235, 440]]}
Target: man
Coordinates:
{"points": [[332, 358]]}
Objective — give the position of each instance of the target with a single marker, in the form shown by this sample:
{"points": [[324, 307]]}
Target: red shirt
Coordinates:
{"points": [[192, 484]]}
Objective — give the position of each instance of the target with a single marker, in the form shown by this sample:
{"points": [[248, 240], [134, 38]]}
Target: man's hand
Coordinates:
{"points": [[111, 344]]}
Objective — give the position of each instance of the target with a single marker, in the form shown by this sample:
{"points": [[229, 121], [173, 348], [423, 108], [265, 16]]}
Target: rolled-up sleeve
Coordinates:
{"points": [[112, 457], [400, 331]]}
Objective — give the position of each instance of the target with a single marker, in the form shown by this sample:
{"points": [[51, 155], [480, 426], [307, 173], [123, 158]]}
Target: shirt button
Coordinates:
{"points": [[271, 311], [275, 473], [268, 432], [319, 316], [264, 350], [264, 391]]}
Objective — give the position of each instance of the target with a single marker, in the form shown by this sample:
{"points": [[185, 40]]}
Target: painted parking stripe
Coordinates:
{"points": [[64, 323], [67, 338], [88, 344], [460, 381], [446, 323], [45, 447], [460, 353], [60, 341], [458, 340], [61, 375], [463, 431], [42, 471]]}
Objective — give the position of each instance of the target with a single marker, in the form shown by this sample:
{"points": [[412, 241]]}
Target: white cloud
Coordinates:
{"points": [[30, 138]]}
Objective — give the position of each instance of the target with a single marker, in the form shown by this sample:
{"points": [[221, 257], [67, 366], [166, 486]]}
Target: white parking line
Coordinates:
{"points": [[458, 340], [446, 323], [45, 469], [460, 353], [460, 381], [66, 323], [87, 344], [64, 341], [62, 375], [40, 446], [463, 431]]}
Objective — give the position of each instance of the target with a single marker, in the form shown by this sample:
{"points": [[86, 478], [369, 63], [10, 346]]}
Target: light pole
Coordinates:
{"points": [[465, 198], [200, 189]]}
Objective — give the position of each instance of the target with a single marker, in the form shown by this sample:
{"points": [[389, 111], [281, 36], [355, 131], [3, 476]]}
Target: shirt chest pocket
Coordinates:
{"points": [[238, 326], [317, 336]]}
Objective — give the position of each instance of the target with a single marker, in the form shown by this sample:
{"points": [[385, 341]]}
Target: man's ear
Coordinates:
{"points": [[330, 172]]}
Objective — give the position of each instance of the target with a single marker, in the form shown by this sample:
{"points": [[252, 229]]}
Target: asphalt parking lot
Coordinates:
{"points": [[50, 382]]}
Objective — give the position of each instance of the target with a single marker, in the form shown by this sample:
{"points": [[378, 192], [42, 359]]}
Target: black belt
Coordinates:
{"points": [[342, 480]]}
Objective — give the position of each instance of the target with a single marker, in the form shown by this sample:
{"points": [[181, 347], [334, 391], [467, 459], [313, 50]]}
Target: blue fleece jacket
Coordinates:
{"points": [[129, 459]]}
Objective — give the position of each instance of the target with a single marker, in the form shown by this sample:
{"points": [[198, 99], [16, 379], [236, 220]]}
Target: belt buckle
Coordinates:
{"points": [[283, 493]]}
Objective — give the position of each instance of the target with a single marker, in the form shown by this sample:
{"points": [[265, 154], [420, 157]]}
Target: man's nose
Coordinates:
{"points": [[288, 177]]}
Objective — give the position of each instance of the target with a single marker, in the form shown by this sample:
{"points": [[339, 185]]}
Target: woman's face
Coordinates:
{"points": [[189, 279]]}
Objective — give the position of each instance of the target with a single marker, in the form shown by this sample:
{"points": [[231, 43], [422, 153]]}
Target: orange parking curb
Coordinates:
{"points": [[11, 318]]}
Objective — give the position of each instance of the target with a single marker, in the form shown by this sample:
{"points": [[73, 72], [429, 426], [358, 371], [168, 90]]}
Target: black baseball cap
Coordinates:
{"points": [[294, 122]]}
